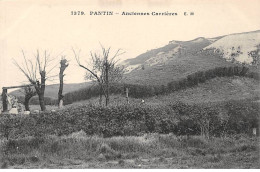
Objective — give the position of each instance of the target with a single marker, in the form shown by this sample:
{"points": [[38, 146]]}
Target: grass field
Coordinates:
{"points": [[216, 90], [148, 151]]}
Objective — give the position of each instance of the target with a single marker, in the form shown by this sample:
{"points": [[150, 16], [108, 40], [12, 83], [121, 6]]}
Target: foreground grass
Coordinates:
{"points": [[148, 151]]}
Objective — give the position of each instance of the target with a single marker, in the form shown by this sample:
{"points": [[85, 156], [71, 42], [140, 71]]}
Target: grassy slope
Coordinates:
{"points": [[174, 69], [145, 56], [176, 66], [214, 90], [149, 151], [172, 66]]}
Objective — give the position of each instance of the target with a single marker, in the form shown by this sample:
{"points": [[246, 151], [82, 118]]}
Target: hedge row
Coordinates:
{"points": [[141, 91], [178, 118]]}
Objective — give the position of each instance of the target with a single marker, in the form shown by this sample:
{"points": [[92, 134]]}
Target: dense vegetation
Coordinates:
{"points": [[141, 91], [212, 119]]}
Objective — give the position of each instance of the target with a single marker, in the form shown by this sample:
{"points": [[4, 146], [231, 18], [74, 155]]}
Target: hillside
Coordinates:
{"points": [[181, 58], [52, 90], [214, 90], [160, 55], [172, 62], [217, 90], [243, 48]]}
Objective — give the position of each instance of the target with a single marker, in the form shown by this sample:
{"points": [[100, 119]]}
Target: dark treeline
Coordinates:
{"points": [[141, 91]]}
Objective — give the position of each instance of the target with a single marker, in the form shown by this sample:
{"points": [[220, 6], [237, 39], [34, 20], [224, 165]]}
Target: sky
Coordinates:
{"points": [[29, 25]]}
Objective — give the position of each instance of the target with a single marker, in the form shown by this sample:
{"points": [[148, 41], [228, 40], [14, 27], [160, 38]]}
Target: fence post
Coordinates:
{"points": [[254, 131], [4, 99], [127, 99]]}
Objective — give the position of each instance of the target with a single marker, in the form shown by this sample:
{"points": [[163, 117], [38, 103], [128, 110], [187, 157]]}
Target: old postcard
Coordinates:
{"points": [[128, 84]]}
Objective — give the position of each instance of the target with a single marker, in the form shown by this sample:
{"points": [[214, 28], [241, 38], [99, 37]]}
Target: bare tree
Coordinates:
{"points": [[103, 70], [63, 66], [32, 69], [29, 92]]}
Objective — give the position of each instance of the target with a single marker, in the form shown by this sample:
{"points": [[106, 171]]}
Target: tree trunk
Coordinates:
{"points": [[41, 88], [63, 66], [60, 96], [29, 93], [26, 104], [41, 101], [107, 84]]}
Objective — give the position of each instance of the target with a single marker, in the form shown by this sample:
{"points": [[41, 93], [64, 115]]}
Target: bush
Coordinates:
{"points": [[123, 120], [106, 121]]}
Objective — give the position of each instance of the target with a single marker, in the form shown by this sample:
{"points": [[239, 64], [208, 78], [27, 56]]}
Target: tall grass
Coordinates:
{"points": [[79, 146]]}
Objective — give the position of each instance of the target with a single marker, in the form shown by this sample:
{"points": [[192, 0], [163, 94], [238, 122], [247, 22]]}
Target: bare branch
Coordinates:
{"points": [[33, 73], [26, 63], [117, 54], [103, 70], [52, 76], [38, 60], [52, 68], [45, 60], [78, 61], [21, 69]]}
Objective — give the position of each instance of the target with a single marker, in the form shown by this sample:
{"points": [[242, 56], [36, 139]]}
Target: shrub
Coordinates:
{"points": [[216, 119]]}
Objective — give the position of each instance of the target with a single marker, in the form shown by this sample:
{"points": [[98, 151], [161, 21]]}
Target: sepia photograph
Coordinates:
{"points": [[129, 84]]}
